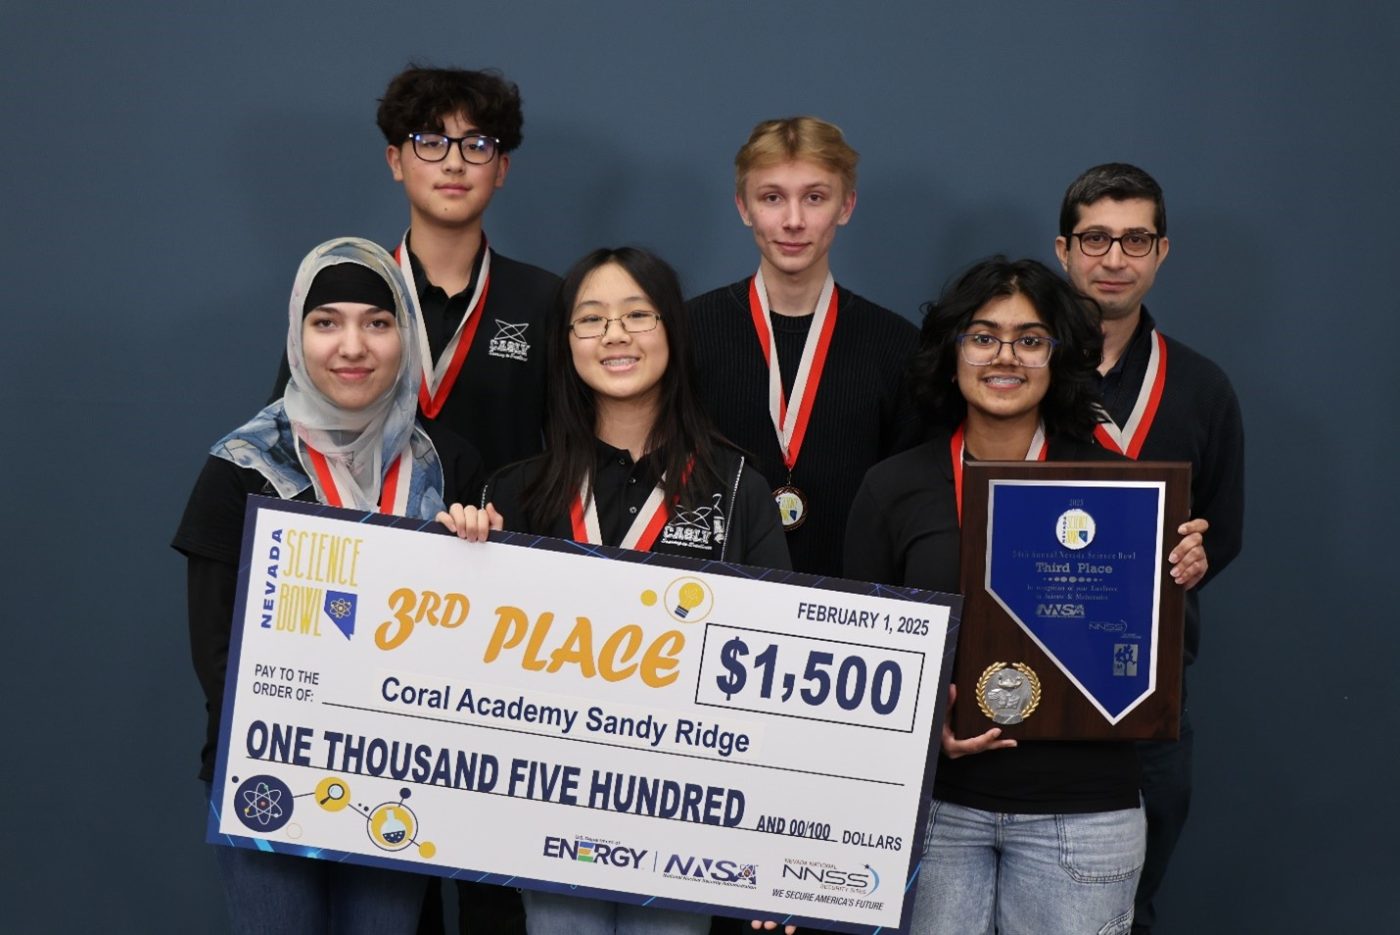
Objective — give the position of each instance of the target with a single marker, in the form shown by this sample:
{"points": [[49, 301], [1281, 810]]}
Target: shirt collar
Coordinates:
{"points": [[1137, 345], [425, 284]]}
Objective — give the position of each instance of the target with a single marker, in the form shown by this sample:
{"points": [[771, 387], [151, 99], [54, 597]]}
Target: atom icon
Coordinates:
{"points": [[264, 803], [339, 608]]}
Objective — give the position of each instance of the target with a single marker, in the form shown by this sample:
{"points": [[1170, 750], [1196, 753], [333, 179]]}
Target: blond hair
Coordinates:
{"points": [[774, 142]]}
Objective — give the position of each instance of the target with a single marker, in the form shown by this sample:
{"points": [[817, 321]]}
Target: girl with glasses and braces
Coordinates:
{"points": [[1044, 836]]}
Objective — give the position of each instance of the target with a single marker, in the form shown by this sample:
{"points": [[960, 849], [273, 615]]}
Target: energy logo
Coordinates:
{"points": [[594, 851]]}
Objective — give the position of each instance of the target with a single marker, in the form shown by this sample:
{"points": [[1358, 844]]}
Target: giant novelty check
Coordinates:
{"points": [[563, 717]]}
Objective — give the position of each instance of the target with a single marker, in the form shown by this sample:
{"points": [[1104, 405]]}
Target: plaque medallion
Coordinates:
{"points": [[1008, 693]]}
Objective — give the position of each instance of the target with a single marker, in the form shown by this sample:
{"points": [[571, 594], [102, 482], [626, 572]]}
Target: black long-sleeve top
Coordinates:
{"points": [[735, 523], [1198, 420], [903, 530], [861, 415]]}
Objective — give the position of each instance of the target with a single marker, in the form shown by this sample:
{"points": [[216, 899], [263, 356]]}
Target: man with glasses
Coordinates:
{"points": [[450, 133], [1165, 402]]}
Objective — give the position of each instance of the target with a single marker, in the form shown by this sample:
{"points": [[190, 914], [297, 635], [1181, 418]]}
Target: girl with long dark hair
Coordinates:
{"points": [[1022, 837], [630, 460]]}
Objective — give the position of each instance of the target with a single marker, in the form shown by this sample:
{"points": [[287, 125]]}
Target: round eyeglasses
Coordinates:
{"points": [[1133, 243], [981, 349], [595, 326], [476, 148]]}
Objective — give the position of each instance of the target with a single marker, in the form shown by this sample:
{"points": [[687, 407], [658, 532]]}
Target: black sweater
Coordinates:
{"points": [[904, 530], [1198, 420], [861, 415]]}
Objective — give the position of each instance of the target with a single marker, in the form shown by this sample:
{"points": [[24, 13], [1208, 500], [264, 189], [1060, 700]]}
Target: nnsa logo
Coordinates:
{"points": [[1059, 610]]}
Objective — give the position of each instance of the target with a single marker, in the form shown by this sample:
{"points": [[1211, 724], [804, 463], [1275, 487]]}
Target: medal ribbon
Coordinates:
{"points": [[393, 492], [791, 421], [439, 378], [957, 449], [647, 525], [1129, 439]]}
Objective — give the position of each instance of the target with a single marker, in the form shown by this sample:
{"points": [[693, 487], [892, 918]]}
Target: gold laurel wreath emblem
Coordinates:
{"points": [[1021, 667]]}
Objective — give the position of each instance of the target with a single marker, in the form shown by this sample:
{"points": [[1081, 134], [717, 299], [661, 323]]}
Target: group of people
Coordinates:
{"points": [[812, 429]]}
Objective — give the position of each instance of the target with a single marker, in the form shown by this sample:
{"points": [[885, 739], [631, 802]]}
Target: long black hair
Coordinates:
{"points": [[681, 432], [1071, 404]]}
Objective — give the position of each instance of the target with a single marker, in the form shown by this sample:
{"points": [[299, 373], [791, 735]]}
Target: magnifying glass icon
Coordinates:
{"points": [[332, 793]]}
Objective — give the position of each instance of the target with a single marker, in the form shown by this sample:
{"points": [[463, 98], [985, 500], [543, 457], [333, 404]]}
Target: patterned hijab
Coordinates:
{"points": [[358, 446]]}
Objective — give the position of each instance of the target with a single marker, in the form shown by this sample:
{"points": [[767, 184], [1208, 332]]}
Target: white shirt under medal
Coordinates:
{"points": [[790, 418]]}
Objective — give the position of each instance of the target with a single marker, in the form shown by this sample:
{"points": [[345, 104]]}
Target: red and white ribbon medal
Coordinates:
{"points": [[646, 526], [440, 377], [1129, 439], [790, 417], [332, 478], [957, 450]]}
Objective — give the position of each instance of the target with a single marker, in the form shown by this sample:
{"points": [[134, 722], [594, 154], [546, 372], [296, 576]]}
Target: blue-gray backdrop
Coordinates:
{"points": [[164, 171]]}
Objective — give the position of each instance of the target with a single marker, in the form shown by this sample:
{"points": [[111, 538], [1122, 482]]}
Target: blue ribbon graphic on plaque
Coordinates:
{"points": [[1078, 566]]}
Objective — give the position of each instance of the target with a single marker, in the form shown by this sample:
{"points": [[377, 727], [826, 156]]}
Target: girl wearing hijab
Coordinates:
{"points": [[345, 435], [631, 461], [1037, 836]]}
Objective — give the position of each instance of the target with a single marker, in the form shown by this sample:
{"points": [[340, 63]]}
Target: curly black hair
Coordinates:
{"points": [[420, 98], [1071, 405]]}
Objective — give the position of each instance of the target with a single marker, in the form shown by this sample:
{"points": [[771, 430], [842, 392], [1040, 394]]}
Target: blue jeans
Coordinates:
{"points": [[1021, 874], [557, 914], [277, 893]]}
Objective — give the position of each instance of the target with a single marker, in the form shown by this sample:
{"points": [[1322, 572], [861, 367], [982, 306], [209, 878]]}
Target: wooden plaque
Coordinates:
{"points": [[1072, 625]]}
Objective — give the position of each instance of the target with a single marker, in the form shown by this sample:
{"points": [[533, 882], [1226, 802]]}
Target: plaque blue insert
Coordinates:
{"points": [[1078, 565]]}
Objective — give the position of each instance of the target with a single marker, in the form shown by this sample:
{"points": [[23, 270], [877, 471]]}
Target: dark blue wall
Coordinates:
{"points": [[163, 173]]}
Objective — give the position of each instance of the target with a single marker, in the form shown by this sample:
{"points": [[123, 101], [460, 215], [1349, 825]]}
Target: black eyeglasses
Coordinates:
{"points": [[476, 148], [1029, 350], [1133, 243]]}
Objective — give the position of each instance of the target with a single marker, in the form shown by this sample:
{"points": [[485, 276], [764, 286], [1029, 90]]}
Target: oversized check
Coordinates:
{"points": [[563, 717]]}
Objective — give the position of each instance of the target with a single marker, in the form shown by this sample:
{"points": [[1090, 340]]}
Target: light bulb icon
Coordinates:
{"points": [[691, 597]]}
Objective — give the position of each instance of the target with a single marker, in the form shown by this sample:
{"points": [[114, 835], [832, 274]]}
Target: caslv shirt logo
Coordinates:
{"points": [[696, 529], [509, 341]]}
